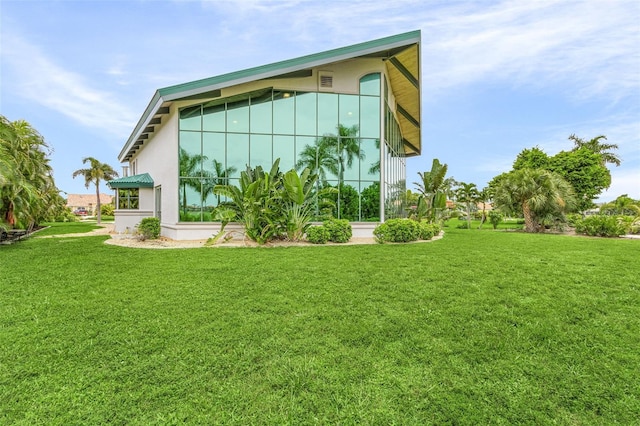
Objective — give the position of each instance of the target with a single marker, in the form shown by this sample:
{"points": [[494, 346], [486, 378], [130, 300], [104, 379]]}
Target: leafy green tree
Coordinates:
{"points": [[370, 202], [584, 170], [539, 195], [95, 173], [533, 158], [468, 194], [595, 145]]}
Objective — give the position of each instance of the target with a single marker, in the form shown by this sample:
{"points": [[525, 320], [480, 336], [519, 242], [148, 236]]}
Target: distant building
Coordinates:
{"points": [[87, 201]]}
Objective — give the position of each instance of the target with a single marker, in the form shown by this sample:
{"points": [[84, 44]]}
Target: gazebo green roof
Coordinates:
{"points": [[143, 180]]}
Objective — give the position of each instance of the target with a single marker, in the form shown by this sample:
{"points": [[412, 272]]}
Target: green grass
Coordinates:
{"points": [[61, 228], [476, 328]]}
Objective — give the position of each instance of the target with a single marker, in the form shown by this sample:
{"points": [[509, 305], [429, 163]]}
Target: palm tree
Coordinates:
{"points": [[94, 174], [219, 176], [602, 149], [345, 147], [468, 194], [191, 173], [319, 159], [536, 193], [27, 189]]}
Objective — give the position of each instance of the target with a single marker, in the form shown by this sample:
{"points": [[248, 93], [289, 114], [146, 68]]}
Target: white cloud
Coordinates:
{"points": [[34, 76], [587, 48]]}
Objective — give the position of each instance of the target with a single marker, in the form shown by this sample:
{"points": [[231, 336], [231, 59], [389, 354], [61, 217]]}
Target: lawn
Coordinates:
{"points": [[481, 327]]}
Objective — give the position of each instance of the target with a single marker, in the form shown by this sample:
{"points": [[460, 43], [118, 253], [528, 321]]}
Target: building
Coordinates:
{"points": [[201, 133], [87, 202]]}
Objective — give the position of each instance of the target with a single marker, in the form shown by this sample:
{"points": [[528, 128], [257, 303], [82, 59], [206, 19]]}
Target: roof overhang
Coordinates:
{"points": [[401, 53], [143, 180]]}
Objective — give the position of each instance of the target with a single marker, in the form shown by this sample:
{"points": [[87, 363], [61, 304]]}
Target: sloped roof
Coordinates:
{"points": [[401, 53], [143, 180]]}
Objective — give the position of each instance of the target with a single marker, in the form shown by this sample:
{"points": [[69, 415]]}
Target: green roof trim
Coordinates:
{"points": [[291, 65], [383, 48], [136, 181]]}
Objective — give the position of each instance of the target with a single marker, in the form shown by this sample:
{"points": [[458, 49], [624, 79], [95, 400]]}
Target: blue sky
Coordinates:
{"points": [[497, 76]]}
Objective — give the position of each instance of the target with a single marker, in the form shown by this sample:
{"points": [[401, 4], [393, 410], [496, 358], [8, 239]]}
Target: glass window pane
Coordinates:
{"points": [[238, 116], [260, 151], [190, 200], [370, 164], [284, 149], [190, 118], [210, 200], [190, 156], [261, 113], [369, 117], [213, 148], [349, 110], [370, 84], [349, 158], [238, 151], [306, 114], [213, 118], [283, 112], [370, 201], [327, 113]]}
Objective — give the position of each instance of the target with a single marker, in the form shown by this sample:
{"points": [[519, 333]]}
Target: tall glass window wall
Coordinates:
{"points": [[335, 135], [395, 168]]}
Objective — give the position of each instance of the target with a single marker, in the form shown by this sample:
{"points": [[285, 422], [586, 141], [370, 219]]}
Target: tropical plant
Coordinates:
{"points": [[298, 202], [431, 187], [224, 214], [27, 190], [595, 145], [257, 201], [623, 205], [468, 195], [539, 195], [95, 173], [601, 226]]}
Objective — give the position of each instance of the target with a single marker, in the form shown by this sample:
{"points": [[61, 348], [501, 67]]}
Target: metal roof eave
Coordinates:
{"points": [[183, 90], [143, 180]]}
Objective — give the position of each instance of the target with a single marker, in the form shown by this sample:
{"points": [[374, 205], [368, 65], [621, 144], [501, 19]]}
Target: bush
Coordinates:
{"points": [[318, 234], [427, 231], [107, 209], [495, 217], [149, 228], [573, 218], [601, 226], [397, 231], [339, 230]]}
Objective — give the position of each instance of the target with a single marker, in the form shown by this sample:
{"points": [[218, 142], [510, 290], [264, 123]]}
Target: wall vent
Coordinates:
{"points": [[325, 80]]}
